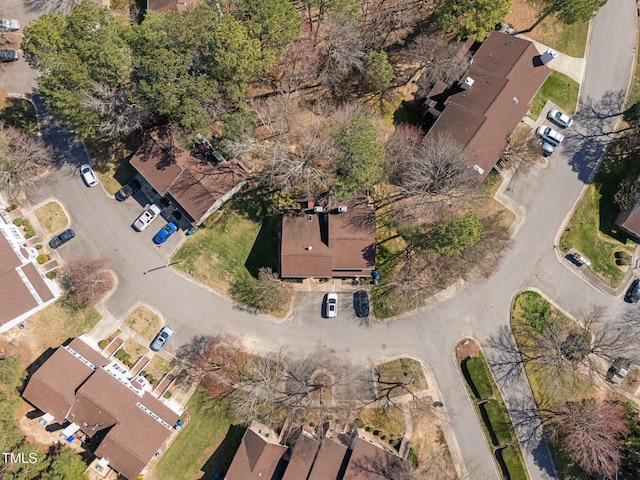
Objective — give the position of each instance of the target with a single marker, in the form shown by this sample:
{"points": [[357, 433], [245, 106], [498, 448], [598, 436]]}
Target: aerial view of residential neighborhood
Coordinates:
{"points": [[319, 240]]}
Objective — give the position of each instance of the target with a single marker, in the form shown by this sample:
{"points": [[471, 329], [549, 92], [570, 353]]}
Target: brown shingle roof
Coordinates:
{"points": [[329, 460], [630, 220], [96, 400], [302, 457], [342, 244], [483, 116], [16, 298], [188, 176], [371, 462], [257, 456]]}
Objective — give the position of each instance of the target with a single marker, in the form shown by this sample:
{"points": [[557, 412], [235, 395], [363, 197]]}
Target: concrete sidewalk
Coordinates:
{"points": [[570, 66]]}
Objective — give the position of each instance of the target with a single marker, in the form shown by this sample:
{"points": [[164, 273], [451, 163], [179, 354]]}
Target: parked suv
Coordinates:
{"points": [[129, 189], [145, 219], [550, 135]]}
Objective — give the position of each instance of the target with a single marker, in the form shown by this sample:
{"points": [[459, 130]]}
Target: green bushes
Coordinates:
{"points": [[42, 258], [102, 344]]}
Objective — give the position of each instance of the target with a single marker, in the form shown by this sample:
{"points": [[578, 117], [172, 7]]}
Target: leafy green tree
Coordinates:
{"points": [[455, 234], [346, 8], [471, 18], [362, 156], [65, 464], [378, 73], [275, 23], [233, 56]]}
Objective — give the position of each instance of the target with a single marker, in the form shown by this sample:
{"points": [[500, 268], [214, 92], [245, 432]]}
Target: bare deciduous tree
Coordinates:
{"points": [[592, 433], [87, 279], [443, 59], [438, 170], [343, 53], [218, 361], [23, 157], [119, 115], [566, 352]]}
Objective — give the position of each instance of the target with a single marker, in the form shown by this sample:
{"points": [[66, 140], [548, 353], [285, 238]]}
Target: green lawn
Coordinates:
{"points": [[561, 90], [592, 228], [231, 250], [480, 376], [208, 442], [568, 39], [495, 421], [529, 309]]}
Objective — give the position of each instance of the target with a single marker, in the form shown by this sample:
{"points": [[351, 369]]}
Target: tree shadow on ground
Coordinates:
{"points": [[264, 252], [222, 457]]}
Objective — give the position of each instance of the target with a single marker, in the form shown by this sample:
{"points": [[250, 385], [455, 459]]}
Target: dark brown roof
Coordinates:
{"points": [[328, 244], [329, 460], [506, 75], [257, 456], [52, 388], [369, 461], [16, 298], [68, 387], [630, 220], [190, 177], [167, 5], [302, 457]]}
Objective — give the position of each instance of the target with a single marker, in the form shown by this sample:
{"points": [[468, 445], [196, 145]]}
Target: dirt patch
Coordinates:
{"points": [[144, 321], [467, 348], [522, 15], [51, 217], [3, 98], [134, 349], [429, 444]]}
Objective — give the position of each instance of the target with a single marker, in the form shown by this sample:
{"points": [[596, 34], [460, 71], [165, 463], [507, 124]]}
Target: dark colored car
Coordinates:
{"points": [[129, 189], [61, 238], [8, 55], [633, 294], [161, 339], [361, 303], [166, 231]]}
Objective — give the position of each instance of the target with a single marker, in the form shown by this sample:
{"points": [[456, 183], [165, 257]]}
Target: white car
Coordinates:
{"points": [[560, 118], [10, 24], [88, 175], [145, 219], [331, 305], [550, 135]]}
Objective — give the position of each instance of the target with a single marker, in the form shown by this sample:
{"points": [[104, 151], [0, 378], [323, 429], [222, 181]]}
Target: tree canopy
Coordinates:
{"points": [[362, 156], [378, 72], [472, 18], [174, 66]]}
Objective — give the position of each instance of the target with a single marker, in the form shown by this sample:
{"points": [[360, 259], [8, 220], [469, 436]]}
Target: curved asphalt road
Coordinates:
{"points": [[479, 310]]}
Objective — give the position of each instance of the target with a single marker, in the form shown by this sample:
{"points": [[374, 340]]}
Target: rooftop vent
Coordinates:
{"points": [[317, 209], [515, 100], [309, 218], [310, 247], [467, 83], [342, 209], [478, 169]]}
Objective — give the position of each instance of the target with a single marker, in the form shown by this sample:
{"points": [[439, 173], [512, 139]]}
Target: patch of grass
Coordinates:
{"points": [[561, 90], [19, 113], [207, 442], [389, 422], [134, 349], [568, 39], [494, 417], [592, 229], [55, 324], [480, 376], [51, 217], [231, 251], [159, 366], [111, 160], [403, 370], [143, 321]]}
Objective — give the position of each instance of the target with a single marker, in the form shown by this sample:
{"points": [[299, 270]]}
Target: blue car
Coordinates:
{"points": [[166, 231]]}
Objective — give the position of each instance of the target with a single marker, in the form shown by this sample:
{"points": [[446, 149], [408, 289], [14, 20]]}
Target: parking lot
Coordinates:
{"points": [[309, 309]]}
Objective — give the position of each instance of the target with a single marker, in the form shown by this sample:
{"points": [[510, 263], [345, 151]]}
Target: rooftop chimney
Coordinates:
{"points": [[467, 83]]}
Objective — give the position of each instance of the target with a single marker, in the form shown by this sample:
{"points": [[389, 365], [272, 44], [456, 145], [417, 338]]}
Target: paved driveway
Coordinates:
{"points": [[480, 310]]}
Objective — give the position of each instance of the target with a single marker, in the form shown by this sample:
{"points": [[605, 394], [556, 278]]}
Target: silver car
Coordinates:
{"points": [[10, 24], [560, 118], [161, 339], [145, 219], [549, 135]]}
